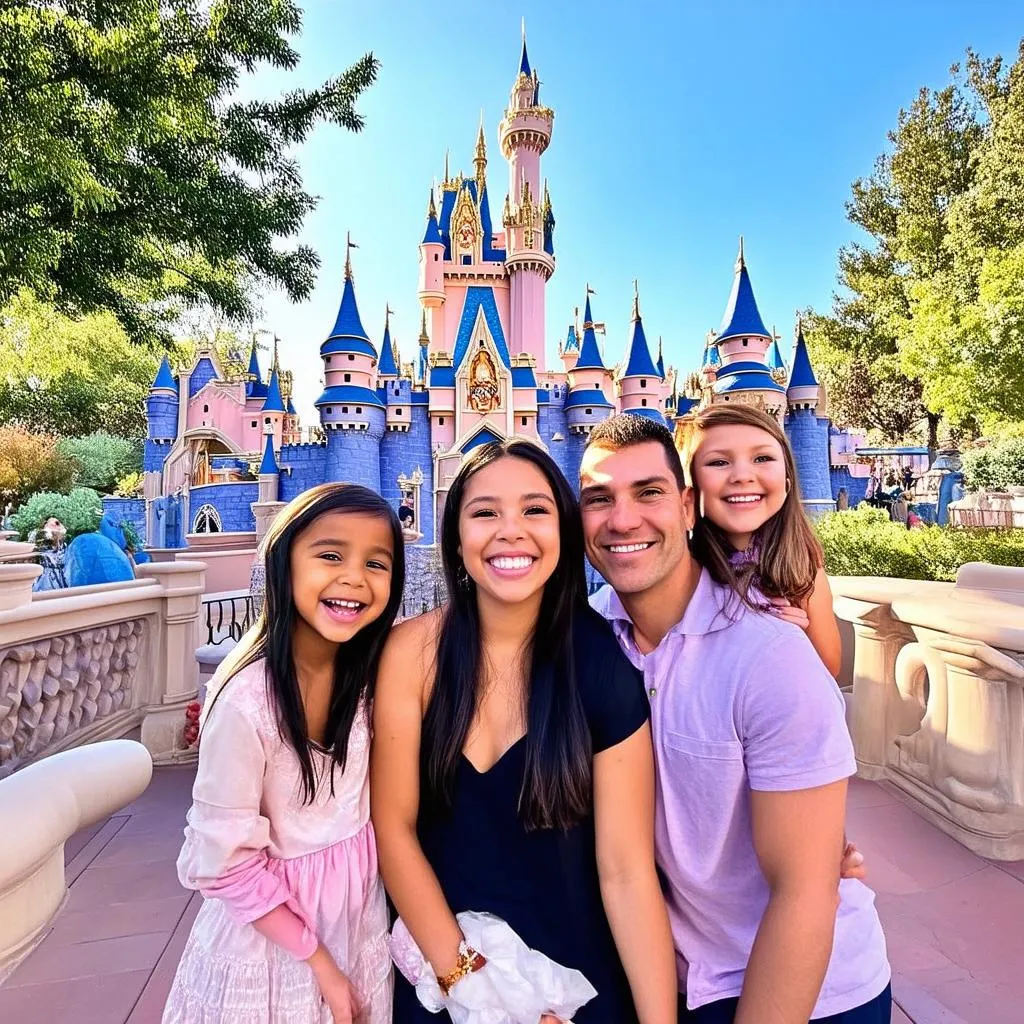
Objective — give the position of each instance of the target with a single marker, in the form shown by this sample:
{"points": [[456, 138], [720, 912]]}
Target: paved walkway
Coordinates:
{"points": [[953, 921]]}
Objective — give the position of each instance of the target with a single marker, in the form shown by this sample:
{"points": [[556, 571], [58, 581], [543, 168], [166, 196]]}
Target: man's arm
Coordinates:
{"points": [[798, 836]]}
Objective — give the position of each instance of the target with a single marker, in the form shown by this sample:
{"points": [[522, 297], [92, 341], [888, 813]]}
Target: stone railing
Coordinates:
{"points": [[937, 702], [94, 663]]}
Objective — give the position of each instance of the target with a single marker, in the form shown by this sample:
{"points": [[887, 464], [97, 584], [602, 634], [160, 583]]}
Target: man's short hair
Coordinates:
{"points": [[628, 430]]}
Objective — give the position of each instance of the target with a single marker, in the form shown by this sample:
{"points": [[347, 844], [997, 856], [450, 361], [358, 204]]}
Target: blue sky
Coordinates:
{"points": [[677, 128]]}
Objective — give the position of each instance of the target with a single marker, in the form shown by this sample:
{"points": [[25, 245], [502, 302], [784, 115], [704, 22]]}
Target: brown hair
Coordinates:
{"points": [[788, 553], [628, 429]]}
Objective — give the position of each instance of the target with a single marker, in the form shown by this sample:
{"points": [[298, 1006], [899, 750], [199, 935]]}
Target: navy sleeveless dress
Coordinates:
{"points": [[543, 883]]}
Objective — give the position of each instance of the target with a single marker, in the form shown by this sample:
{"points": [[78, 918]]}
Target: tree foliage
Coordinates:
{"points": [[79, 511], [132, 177], [929, 319], [995, 466], [71, 377], [30, 463], [102, 459]]}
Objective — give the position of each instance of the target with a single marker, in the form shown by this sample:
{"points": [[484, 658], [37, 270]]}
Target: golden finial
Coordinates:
{"points": [[349, 246], [740, 262], [636, 300], [276, 364], [446, 178], [388, 311], [431, 208], [547, 198], [424, 337]]}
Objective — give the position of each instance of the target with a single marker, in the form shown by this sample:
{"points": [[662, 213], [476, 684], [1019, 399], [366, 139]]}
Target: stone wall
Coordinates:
{"points": [[809, 438], [354, 455], [856, 486], [232, 501], [303, 466], [51, 688]]}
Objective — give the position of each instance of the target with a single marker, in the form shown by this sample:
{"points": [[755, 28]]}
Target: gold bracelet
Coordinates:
{"points": [[469, 962]]}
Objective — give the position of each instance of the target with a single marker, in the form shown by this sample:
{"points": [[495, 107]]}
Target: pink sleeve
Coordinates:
{"points": [[288, 930], [225, 850]]}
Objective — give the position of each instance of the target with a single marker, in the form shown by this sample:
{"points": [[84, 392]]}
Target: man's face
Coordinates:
{"points": [[635, 518]]}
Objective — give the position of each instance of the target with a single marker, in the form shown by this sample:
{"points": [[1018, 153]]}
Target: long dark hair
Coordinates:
{"points": [[556, 791], [788, 555], [355, 664]]}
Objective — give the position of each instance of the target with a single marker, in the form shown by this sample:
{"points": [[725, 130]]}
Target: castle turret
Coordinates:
{"points": [[570, 351], [203, 372], [387, 368], [161, 417], [268, 472], [661, 361], [640, 384], [742, 335], [351, 411], [274, 409], [525, 133], [808, 433], [255, 389], [431, 287]]}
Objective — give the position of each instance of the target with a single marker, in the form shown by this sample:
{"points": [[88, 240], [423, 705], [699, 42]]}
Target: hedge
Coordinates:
{"points": [[996, 466], [865, 542], [79, 511]]}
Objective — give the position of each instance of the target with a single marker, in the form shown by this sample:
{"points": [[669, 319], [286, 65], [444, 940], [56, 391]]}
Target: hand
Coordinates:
{"points": [[853, 865], [789, 612], [335, 988]]}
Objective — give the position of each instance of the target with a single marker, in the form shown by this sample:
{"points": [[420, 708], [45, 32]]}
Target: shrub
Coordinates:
{"points": [[864, 542], [996, 466], [102, 459], [79, 511], [129, 486], [30, 463]]}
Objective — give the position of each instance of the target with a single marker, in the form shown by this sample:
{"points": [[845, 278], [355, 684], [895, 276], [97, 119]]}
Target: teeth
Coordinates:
{"points": [[625, 549], [743, 499], [520, 562], [335, 603]]}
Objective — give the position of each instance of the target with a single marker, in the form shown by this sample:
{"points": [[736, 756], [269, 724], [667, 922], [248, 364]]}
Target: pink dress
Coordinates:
{"points": [[252, 846]]}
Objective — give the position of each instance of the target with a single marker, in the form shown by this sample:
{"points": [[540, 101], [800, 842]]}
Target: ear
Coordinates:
{"points": [[689, 508]]}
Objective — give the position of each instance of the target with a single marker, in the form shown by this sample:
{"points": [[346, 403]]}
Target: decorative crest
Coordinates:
{"points": [[636, 299]]}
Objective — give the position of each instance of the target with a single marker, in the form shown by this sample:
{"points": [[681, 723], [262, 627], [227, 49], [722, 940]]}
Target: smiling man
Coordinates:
{"points": [[752, 753]]}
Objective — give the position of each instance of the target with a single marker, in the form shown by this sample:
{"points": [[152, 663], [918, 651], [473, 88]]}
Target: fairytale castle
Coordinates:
{"points": [[226, 449]]}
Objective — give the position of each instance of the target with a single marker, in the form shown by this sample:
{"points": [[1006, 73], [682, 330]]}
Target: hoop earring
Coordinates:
{"points": [[788, 486]]}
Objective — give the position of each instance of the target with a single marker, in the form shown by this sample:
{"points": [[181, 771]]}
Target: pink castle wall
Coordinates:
{"points": [[734, 351]]}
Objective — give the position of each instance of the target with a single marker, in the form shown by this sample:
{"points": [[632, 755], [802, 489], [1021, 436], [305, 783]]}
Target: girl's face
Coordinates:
{"points": [[740, 473], [508, 530], [341, 573]]}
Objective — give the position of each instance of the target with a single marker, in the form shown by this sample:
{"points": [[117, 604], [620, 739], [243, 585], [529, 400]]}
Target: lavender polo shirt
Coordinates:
{"points": [[741, 702]]}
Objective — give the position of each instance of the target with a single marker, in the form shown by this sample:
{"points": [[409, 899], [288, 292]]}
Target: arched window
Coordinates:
{"points": [[207, 521]]}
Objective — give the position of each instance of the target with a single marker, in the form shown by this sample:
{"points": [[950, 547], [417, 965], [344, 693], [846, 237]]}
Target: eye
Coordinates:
{"points": [[716, 463], [765, 458], [534, 510], [651, 492], [595, 499], [482, 513], [374, 564], [330, 556]]}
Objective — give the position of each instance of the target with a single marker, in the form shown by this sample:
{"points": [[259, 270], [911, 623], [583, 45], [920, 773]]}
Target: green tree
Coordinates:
{"points": [[30, 463], [133, 178], [873, 375], [102, 459], [71, 377]]}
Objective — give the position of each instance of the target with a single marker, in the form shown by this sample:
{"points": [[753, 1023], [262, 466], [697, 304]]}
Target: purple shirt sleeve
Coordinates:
{"points": [[793, 719]]}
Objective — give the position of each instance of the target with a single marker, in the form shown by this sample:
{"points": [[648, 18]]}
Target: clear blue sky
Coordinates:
{"points": [[678, 127]]}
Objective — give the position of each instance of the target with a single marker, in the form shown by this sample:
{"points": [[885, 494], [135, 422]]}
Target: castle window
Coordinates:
{"points": [[467, 261], [359, 408], [206, 408], [643, 382], [744, 342], [266, 421], [255, 424], [643, 401], [344, 408], [207, 521], [597, 385], [329, 410], [398, 412], [329, 360], [522, 420], [351, 358], [440, 421], [435, 257], [348, 377], [588, 411]]}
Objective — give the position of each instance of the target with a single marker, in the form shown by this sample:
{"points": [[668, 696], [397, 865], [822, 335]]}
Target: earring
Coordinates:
{"points": [[788, 485], [462, 578]]}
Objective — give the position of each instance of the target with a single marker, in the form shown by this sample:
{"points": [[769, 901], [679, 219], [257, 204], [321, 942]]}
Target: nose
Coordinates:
{"points": [[741, 471], [624, 516], [352, 573], [510, 529]]}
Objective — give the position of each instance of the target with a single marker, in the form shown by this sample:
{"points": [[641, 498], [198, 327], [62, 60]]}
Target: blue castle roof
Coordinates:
{"points": [[746, 375], [432, 236], [683, 404], [291, 408], [741, 314], [479, 297], [661, 361], [639, 362], [803, 374], [587, 396], [388, 366], [164, 379], [524, 60], [254, 387], [523, 377], [274, 402], [773, 357], [711, 356], [442, 376], [590, 354], [489, 254], [348, 333], [572, 343], [268, 466], [647, 413], [349, 393]]}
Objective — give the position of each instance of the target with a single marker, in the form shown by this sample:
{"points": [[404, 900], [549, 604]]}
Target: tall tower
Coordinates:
{"points": [[525, 133], [640, 385]]}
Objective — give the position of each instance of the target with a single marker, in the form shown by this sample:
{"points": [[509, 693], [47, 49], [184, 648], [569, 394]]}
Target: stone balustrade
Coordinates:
{"points": [[937, 703], [95, 663]]}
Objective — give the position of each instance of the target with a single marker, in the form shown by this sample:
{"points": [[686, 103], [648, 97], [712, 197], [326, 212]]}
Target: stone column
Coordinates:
{"points": [[174, 680], [878, 713], [265, 513]]}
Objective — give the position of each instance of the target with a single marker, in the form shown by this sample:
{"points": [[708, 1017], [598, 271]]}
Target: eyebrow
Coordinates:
{"points": [[328, 542], [535, 496], [633, 484], [764, 447]]}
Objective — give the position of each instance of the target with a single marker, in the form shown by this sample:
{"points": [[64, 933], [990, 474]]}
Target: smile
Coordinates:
{"points": [[744, 499], [511, 566], [629, 549], [342, 610]]}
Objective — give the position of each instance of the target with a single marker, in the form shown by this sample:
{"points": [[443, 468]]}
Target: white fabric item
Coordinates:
{"points": [[517, 985]]}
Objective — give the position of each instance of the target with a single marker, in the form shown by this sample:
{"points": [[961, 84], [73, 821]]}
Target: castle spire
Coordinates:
{"points": [[590, 354], [524, 60], [636, 300], [432, 234], [742, 317], [661, 360], [480, 159], [349, 246], [389, 358], [254, 372], [638, 356]]}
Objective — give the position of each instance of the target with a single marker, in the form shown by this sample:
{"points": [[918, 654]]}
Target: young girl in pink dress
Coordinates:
{"points": [[279, 839]]}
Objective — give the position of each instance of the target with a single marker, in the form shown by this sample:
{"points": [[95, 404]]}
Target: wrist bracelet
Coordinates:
{"points": [[469, 962]]}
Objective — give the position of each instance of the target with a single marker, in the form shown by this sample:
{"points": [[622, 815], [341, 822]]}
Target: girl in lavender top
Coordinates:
{"points": [[740, 466], [279, 839]]}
